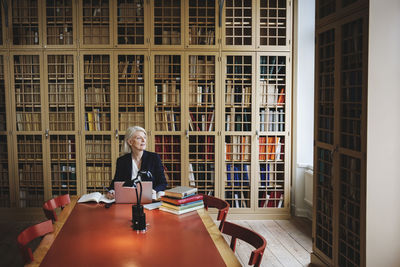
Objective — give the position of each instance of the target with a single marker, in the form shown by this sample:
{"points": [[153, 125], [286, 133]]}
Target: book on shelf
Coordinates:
{"points": [[96, 197], [236, 198], [210, 121], [275, 199], [281, 97], [181, 201], [191, 175], [280, 203], [180, 191], [178, 212]]}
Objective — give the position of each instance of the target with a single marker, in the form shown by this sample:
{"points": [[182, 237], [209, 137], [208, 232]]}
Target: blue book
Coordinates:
{"points": [[237, 175], [262, 174], [228, 174], [245, 175]]}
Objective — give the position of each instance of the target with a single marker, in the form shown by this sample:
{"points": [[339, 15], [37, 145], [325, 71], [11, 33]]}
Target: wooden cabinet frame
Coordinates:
{"points": [[187, 145]]}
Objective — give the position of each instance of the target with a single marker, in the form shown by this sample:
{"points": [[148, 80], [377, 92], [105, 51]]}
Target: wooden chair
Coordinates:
{"points": [[250, 237], [31, 233], [49, 207], [221, 205]]}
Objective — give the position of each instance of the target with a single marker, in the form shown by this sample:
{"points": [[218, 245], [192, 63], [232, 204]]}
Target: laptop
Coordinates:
{"points": [[128, 194]]}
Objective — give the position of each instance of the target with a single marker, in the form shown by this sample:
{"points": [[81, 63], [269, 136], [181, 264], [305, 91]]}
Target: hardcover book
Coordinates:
{"points": [[181, 201], [180, 191], [178, 212]]}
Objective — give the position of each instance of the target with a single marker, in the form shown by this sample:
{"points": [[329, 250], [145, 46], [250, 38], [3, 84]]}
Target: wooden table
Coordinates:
{"points": [[90, 235]]}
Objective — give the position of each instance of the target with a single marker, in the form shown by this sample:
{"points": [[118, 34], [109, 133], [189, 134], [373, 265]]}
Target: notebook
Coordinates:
{"points": [[128, 194]]}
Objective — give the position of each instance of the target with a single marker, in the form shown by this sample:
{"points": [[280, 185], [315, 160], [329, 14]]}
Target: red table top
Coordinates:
{"points": [[95, 236]]}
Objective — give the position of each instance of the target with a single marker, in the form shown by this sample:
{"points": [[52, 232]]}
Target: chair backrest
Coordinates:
{"points": [[31, 233], [50, 205], [220, 204], [250, 237]]}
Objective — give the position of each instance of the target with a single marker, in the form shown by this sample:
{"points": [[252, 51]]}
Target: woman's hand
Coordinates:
{"points": [[110, 195]]}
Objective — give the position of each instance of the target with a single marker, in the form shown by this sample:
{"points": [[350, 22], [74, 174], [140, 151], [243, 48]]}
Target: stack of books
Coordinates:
{"points": [[181, 199]]}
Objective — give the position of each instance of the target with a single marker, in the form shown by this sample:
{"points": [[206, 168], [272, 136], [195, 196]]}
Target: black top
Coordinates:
{"points": [[150, 162]]}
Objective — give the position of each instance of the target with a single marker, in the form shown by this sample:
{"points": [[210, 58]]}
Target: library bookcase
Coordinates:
{"points": [[209, 80], [340, 133]]}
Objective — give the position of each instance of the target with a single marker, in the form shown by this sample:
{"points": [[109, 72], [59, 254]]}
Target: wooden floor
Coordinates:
{"points": [[288, 242]]}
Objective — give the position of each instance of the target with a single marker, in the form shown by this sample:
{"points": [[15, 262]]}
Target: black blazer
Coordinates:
{"points": [[150, 162]]}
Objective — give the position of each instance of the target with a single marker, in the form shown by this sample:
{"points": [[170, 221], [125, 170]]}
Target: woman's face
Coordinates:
{"points": [[138, 141]]}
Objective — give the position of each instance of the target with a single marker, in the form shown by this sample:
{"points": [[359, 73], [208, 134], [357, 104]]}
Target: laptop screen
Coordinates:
{"points": [[128, 194]]}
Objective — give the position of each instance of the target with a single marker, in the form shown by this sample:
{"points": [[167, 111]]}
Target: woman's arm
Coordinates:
{"points": [[160, 181]]}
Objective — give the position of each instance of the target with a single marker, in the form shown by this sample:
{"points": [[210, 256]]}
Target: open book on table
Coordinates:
{"points": [[96, 197]]}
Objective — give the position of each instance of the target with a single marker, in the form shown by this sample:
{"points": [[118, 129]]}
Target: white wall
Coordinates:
{"points": [[303, 101], [383, 136]]}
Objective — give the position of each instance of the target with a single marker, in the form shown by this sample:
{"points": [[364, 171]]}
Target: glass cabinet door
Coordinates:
{"points": [[201, 121], [60, 23], [238, 25], [62, 123], [202, 28], [95, 23], [238, 123], [167, 23], [97, 121], [25, 23], [167, 117], [5, 194], [272, 114]]}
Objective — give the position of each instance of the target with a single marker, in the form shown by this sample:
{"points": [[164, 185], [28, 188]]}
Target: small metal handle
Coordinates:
{"points": [[116, 133], [187, 133], [257, 134], [333, 151], [46, 133]]}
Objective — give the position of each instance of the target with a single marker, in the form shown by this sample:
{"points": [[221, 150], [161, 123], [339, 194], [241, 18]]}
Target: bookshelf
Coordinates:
{"points": [[97, 108], [1, 27], [207, 82], [167, 113], [131, 27], [95, 23], [202, 118], [60, 23], [238, 25], [62, 126], [131, 90], [5, 188], [29, 141], [25, 23], [167, 24], [340, 133], [239, 104], [274, 25], [272, 108], [202, 30]]}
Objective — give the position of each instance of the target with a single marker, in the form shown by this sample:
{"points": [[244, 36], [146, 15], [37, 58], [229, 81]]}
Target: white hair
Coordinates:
{"points": [[126, 148]]}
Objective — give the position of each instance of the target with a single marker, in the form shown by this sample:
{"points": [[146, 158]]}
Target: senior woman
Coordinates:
{"points": [[138, 159]]}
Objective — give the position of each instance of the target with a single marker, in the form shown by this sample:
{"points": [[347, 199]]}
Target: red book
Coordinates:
{"points": [[180, 201]]}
